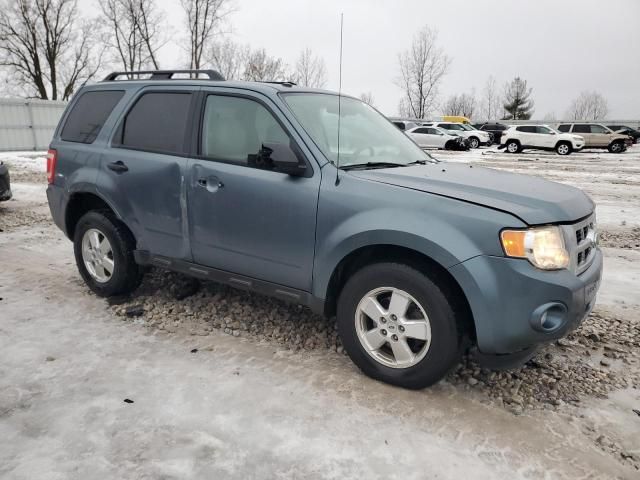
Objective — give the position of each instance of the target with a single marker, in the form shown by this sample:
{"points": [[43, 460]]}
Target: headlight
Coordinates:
{"points": [[542, 246]]}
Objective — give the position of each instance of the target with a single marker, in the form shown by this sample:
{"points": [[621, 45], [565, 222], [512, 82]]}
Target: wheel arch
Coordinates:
{"points": [[378, 253], [79, 203]]}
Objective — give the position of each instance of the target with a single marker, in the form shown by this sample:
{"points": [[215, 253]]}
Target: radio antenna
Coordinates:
{"points": [[339, 102]]}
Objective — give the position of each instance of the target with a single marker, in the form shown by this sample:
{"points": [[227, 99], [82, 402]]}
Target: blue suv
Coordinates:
{"points": [[318, 199]]}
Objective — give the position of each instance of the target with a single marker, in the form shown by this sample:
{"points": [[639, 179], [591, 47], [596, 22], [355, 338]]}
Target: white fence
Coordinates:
{"points": [[28, 124]]}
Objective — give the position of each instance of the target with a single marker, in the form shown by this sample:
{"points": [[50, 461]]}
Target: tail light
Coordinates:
{"points": [[52, 156]]}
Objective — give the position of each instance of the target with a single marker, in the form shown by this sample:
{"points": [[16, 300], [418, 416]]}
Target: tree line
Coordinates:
{"points": [[48, 49], [424, 65]]}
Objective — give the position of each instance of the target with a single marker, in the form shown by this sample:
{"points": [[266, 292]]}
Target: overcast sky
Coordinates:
{"points": [[560, 47]]}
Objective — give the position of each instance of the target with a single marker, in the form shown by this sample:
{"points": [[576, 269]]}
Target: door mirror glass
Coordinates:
{"points": [[283, 158]]}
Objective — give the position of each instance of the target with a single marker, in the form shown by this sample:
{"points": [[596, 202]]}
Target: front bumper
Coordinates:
{"points": [[507, 297], [5, 183]]}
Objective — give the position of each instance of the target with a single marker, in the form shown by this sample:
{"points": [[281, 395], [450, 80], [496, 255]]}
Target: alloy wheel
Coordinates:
{"points": [[393, 327], [97, 255]]}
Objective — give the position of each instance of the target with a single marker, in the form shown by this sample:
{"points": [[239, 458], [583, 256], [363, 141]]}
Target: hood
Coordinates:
{"points": [[534, 200]]}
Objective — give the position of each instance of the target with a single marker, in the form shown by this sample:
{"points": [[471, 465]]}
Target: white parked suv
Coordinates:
{"points": [[540, 137], [475, 137], [434, 137]]}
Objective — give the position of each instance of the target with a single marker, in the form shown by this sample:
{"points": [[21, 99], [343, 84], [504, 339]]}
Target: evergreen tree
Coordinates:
{"points": [[517, 100]]}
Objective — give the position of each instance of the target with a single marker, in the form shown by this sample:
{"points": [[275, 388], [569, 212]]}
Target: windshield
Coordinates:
{"points": [[467, 127], [365, 135]]}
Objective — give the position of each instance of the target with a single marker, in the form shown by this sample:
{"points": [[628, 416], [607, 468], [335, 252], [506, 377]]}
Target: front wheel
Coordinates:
{"points": [[563, 149], [398, 326], [103, 248], [474, 142]]}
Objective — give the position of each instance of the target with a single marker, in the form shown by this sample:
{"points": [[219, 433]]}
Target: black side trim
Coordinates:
{"points": [[292, 295]]}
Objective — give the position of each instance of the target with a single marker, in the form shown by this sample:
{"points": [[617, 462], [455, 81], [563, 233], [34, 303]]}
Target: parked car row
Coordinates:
{"points": [[567, 138], [445, 135]]}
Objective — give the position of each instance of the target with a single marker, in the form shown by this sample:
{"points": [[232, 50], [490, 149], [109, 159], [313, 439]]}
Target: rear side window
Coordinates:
{"points": [[157, 122], [89, 114], [526, 129], [563, 128], [422, 130]]}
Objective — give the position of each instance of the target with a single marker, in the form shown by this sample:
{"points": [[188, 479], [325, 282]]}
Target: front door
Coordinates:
{"points": [[245, 217]]}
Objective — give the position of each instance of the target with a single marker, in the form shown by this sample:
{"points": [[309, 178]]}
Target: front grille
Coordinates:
{"points": [[582, 249]]}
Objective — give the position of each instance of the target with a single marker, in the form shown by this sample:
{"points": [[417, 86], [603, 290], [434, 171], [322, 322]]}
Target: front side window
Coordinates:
{"points": [[157, 122], [544, 130], [564, 128], [89, 114], [598, 129], [365, 135], [234, 130]]}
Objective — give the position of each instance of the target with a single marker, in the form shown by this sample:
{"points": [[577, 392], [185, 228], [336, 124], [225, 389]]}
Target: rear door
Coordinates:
{"points": [[584, 131], [527, 135], [143, 172], [246, 218]]}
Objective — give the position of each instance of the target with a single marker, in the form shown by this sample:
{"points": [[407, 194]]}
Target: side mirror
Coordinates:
{"points": [[284, 158]]}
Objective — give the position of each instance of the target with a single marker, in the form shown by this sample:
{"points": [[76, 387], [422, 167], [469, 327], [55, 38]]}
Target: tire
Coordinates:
{"points": [[91, 231], [563, 148], [513, 146], [474, 142], [429, 360], [617, 147], [450, 145]]}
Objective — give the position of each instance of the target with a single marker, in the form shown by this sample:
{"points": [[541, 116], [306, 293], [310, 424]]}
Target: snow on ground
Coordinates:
{"points": [[269, 404]]}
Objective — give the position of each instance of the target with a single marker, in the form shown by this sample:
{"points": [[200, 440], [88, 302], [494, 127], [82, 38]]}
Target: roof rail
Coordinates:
{"points": [[162, 74], [284, 83]]}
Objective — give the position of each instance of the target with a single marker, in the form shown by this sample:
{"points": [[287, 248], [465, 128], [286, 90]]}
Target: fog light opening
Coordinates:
{"points": [[549, 317]]}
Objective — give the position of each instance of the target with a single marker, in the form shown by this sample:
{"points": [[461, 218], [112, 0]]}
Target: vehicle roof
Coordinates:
{"points": [[262, 87]]}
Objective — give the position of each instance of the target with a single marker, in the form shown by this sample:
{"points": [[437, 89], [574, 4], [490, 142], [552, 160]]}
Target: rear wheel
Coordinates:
{"points": [[474, 142], [563, 148], [616, 147], [103, 248], [513, 146], [398, 326]]}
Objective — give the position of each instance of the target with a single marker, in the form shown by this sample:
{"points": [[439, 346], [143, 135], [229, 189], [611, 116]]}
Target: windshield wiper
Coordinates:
{"points": [[364, 166], [418, 162]]}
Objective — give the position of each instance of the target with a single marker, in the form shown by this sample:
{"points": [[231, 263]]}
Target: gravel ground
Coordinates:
{"points": [[597, 362]]}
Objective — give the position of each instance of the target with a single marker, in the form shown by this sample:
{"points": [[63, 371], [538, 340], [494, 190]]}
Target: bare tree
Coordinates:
{"points": [[134, 32], [589, 106], [46, 47], [260, 67], [229, 58], [310, 70], [367, 97], [463, 104], [491, 103], [205, 21], [422, 68], [517, 100]]}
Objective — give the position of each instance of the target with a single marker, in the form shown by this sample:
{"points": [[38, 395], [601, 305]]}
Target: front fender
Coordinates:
{"points": [[359, 213]]}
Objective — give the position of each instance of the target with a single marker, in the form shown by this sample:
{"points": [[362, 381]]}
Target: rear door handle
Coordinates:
{"points": [[118, 167]]}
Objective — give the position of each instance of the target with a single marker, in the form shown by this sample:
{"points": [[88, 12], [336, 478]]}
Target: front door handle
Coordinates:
{"points": [[118, 167], [212, 184]]}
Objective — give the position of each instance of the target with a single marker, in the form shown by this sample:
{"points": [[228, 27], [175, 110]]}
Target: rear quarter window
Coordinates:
{"points": [[88, 115]]}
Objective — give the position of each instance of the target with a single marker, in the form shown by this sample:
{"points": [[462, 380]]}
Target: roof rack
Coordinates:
{"points": [[285, 83], [163, 74]]}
